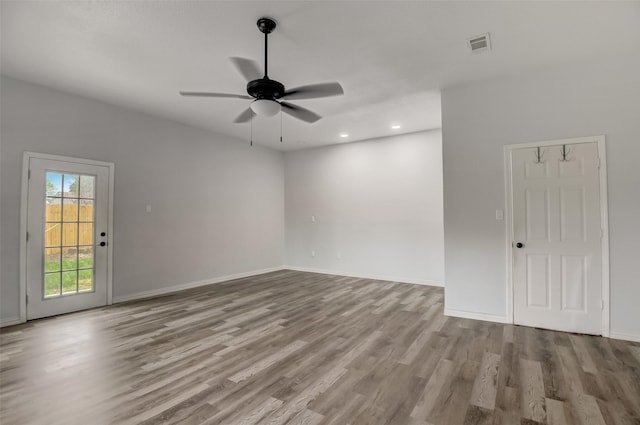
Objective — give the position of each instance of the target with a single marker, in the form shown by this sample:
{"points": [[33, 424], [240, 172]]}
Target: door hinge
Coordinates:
{"points": [[29, 174], [601, 304], [27, 298], [601, 233], [27, 236]]}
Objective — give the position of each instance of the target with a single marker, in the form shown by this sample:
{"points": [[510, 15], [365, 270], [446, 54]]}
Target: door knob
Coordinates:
{"points": [[103, 234], [519, 245], [103, 243]]}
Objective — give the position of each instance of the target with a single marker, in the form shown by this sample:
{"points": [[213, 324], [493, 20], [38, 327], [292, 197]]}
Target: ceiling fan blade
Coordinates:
{"points": [[245, 116], [207, 94], [313, 91], [299, 112], [248, 68]]}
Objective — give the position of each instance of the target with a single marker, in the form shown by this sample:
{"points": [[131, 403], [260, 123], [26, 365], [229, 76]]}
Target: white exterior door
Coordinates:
{"points": [[67, 233], [557, 247]]}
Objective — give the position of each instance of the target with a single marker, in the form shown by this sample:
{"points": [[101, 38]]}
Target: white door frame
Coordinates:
{"points": [[23, 223], [600, 140]]}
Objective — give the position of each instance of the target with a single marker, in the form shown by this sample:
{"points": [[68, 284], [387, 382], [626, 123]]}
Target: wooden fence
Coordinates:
{"points": [[77, 227]]}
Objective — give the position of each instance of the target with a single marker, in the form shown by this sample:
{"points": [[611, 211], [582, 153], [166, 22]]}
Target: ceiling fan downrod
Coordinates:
{"points": [[266, 26]]}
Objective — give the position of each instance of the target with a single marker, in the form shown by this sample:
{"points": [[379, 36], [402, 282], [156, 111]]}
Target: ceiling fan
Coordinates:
{"points": [[267, 94]]}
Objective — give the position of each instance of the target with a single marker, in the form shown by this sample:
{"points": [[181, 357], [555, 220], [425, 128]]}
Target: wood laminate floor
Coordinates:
{"points": [[302, 348]]}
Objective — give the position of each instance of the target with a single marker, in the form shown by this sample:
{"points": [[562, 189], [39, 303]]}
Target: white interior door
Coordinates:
{"points": [[67, 233], [557, 247]]}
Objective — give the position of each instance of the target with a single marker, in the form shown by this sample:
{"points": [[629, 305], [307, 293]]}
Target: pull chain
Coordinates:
{"points": [[251, 143], [281, 124]]}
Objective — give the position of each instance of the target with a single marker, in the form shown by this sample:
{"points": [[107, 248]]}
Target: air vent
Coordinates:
{"points": [[479, 43]]}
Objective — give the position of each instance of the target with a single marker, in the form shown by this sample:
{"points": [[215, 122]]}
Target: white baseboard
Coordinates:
{"points": [[183, 286], [365, 276], [10, 321], [624, 336], [476, 316]]}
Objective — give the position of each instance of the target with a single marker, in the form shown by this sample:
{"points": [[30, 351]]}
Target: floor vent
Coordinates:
{"points": [[479, 43]]}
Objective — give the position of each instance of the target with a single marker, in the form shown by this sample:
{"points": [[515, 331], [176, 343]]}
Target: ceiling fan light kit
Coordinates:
{"points": [[265, 107], [268, 93]]}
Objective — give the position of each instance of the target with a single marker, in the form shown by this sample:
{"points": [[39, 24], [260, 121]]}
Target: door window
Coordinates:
{"points": [[68, 234]]}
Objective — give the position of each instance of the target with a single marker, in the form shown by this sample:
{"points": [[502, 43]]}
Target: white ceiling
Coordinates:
{"points": [[391, 57]]}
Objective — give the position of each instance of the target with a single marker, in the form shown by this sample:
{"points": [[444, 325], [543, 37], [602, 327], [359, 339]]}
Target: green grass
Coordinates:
{"points": [[51, 284], [53, 265], [66, 280], [62, 275]]}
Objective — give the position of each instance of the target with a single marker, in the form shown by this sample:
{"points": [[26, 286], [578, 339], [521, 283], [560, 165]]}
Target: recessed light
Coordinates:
{"points": [[395, 126], [344, 135]]}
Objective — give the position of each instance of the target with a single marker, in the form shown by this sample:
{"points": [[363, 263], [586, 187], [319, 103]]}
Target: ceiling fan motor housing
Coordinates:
{"points": [[264, 88]]}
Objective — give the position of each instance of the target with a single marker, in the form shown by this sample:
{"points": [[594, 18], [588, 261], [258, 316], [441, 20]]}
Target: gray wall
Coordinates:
{"points": [[595, 98], [377, 206], [217, 204]]}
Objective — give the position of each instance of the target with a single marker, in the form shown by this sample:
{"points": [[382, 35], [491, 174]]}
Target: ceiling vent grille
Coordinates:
{"points": [[479, 43]]}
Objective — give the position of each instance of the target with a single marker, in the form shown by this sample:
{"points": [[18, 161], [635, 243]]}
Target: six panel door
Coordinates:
{"points": [[557, 258]]}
